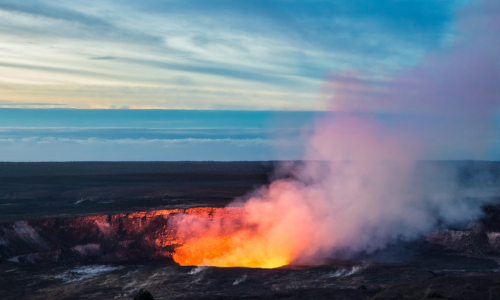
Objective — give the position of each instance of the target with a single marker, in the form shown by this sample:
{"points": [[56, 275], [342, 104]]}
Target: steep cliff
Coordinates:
{"points": [[102, 238]]}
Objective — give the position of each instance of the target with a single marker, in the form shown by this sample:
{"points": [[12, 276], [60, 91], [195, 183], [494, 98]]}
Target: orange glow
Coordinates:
{"points": [[236, 250], [272, 229], [226, 237], [202, 250]]}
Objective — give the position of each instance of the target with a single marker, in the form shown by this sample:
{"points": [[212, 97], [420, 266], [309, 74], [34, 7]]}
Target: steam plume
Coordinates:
{"points": [[361, 187]]}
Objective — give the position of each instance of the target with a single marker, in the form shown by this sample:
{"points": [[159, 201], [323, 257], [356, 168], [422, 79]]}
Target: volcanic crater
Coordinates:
{"points": [[117, 242]]}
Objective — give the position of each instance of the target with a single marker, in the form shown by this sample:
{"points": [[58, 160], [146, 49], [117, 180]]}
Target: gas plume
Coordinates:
{"points": [[361, 186]]}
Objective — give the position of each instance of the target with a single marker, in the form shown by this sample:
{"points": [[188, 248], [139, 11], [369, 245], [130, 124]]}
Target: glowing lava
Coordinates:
{"points": [[228, 251], [273, 229], [223, 238]]}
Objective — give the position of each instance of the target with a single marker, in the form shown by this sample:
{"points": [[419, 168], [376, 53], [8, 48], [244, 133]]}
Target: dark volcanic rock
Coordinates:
{"points": [[469, 243], [153, 235], [144, 295], [484, 286], [103, 238]]}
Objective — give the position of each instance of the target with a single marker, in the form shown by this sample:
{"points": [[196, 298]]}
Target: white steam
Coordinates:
{"points": [[362, 186]]}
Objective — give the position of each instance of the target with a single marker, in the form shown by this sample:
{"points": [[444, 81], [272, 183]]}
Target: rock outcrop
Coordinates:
{"points": [[102, 238], [155, 235]]}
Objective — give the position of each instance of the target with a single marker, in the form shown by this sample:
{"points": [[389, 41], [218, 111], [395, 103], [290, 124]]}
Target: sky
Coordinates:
{"points": [[152, 135], [196, 79], [198, 54]]}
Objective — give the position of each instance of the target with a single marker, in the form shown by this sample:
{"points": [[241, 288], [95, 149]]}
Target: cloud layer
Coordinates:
{"points": [[188, 149], [205, 55], [134, 144]]}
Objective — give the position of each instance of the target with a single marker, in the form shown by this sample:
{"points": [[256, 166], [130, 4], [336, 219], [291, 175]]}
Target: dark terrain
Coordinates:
{"points": [[91, 231], [40, 190]]}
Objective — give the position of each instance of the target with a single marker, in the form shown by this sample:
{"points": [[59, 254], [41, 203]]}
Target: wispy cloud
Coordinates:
{"points": [[162, 119], [98, 149], [238, 55], [5, 103], [103, 58], [152, 134], [76, 18]]}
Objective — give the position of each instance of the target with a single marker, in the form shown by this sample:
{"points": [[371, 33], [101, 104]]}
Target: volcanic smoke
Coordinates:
{"points": [[361, 186]]}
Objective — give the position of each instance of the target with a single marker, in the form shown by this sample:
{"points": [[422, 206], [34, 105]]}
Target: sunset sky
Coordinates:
{"points": [[69, 70]]}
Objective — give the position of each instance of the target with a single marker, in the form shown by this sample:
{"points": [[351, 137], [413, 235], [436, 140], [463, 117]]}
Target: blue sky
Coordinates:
{"points": [[193, 79], [237, 55]]}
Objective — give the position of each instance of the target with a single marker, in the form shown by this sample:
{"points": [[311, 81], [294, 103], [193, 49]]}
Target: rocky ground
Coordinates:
{"points": [[424, 276], [94, 232]]}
